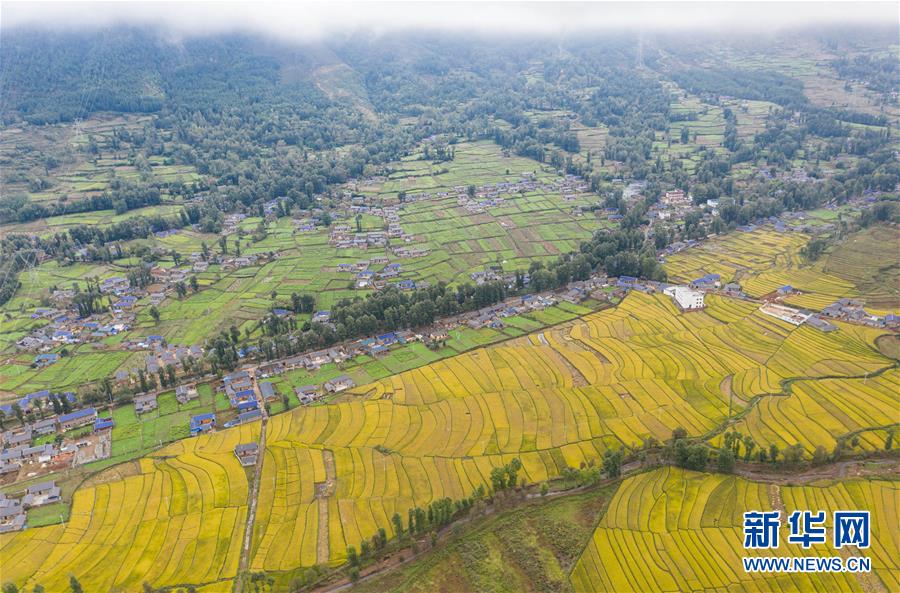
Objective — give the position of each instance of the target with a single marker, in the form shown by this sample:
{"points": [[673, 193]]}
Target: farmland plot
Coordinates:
{"points": [[687, 527]]}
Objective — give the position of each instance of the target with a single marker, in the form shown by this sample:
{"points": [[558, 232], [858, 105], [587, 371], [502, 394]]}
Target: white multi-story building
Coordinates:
{"points": [[686, 298]]}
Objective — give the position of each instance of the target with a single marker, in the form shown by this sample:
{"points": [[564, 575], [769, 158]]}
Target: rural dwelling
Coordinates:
{"points": [[733, 289], [39, 453], [307, 393], [249, 416], [45, 426], [268, 392], [8, 467], [39, 494], [14, 439], [247, 453], [12, 515], [686, 298], [339, 383], [44, 360], [821, 324], [707, 282], [103, 424], [12, 454], [77, 418], [789, 314], [785, 290], [202, 423], [145, 403], [241, 398], [185, 393]]}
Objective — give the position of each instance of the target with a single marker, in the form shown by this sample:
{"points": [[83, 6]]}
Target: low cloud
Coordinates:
{"points": [[310, 21]]}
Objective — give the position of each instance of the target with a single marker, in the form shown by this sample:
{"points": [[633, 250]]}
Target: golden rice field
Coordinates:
{"points": [[763, 260], [553, 399], [332, 475], [687, 528], [176, 516], [852, 260], [736, 254], [816, 412]]}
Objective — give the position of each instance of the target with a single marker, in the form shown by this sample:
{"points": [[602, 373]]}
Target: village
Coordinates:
{"points": [[55, 434]]}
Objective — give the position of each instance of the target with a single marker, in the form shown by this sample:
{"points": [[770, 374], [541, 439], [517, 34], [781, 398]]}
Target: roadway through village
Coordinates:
{"points": [[253, 495]]}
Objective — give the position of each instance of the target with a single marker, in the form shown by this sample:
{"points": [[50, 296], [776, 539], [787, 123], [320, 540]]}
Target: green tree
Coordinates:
{"points": [[154, 313], [74, 585], [793, 453], [10, 588], [820, 455], [725, 461], [17, 410], [398, 524], [612, 463]]}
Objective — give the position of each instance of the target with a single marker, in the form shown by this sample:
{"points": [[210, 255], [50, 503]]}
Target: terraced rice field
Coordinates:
{"points": [[688, 529], [737, 255], [763, 260], [852, 261], [817, 412], [554, 399], [332, 475], [176, 516]]}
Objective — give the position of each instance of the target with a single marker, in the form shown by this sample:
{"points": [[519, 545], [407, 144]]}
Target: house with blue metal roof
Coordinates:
{"points": [[77, 418], [103, 424], [247, 405], [43, 360], [202, 423]]}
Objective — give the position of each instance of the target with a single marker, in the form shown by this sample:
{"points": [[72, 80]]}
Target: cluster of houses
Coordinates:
{"points": [[852, 310], [65, 327], [796, 174], [18, 448], [36, 400], [13, 510], [231, 222], [310, 361], [410, 252], [239, 387], [380, 345], [364, 277], [676, 198], [304, 225], [236, 262], [342, 238], [492, 316], [686, 298], [165, 355]]}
